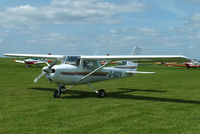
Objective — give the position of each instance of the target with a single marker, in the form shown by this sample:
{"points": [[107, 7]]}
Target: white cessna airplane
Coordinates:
{"points": [[33, 61], [75, 70]]}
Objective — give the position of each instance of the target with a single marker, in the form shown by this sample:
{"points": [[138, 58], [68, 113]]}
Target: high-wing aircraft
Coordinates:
{"points": [[75, 70], [188, 65], [33, 61]]}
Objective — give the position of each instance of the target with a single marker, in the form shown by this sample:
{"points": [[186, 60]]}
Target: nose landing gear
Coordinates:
{"points": [[56, 94], [60, 90]]}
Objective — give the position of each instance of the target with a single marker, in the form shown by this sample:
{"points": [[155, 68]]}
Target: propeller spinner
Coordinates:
{"points": [[45, 70]]}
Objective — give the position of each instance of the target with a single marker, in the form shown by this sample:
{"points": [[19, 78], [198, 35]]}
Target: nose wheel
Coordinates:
{"points": [[60, 89], [56, 94]]}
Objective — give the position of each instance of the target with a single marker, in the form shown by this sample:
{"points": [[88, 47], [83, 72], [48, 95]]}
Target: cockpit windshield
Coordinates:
{"points": [[72, 60]]}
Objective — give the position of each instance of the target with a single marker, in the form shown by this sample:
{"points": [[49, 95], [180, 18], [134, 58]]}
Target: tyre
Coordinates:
{"points": [[56, 94], [101, 93]]}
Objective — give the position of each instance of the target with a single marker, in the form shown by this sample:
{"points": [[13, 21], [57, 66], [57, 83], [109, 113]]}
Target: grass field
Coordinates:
{"points": [[167, 102]]}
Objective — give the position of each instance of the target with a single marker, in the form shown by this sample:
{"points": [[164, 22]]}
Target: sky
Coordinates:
{"points": [[98, 27]]}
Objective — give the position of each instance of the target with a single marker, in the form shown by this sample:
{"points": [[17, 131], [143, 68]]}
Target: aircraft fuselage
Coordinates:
{"points": [[70, 74]]}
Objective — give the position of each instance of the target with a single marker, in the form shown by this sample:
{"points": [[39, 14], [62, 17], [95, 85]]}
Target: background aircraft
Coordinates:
{"points": [[188, 65], [75, 70], [33, 61]]}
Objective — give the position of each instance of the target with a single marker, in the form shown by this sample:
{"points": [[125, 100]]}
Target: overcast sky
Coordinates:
{"points": [[88, 27]]}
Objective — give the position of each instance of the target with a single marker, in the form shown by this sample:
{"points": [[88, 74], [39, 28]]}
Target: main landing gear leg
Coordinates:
{"points": [[101, 93], [64, 90]]}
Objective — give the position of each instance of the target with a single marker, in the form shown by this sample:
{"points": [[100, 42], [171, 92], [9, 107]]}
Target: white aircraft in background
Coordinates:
{"points": [[75, 70], [33, 61]]}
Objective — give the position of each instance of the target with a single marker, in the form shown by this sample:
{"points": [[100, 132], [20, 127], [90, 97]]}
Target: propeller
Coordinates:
{"points": [[46, 69], [38, 77]]}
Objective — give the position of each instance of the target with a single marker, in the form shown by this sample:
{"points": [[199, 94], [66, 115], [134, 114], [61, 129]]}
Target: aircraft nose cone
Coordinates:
{"points": [[46, 69]]}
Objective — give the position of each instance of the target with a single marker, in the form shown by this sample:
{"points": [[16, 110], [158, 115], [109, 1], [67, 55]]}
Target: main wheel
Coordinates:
{"points": [[101, 93], [56, 94]]}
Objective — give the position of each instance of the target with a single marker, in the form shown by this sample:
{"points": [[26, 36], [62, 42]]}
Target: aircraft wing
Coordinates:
{"points": [[140, 58], [135, 58], [34, 55]]}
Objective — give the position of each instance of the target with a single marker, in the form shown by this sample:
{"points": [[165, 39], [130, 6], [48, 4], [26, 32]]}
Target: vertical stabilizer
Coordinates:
{"points": [[136, 50]]}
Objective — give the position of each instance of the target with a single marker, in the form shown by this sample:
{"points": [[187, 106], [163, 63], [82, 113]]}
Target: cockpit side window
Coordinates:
{"points": [[88, 64], [73, 60], [35, 58]]}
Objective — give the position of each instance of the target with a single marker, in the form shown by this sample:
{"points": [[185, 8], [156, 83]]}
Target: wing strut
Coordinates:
{"points": [[93, 72]]}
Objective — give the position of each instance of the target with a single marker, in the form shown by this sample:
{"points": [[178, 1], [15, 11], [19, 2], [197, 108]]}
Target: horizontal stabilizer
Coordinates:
{"points": [[19, 61], [138, 72]]}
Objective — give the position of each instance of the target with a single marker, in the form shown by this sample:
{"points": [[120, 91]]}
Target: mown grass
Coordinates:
{"points": [[167, 102]]}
